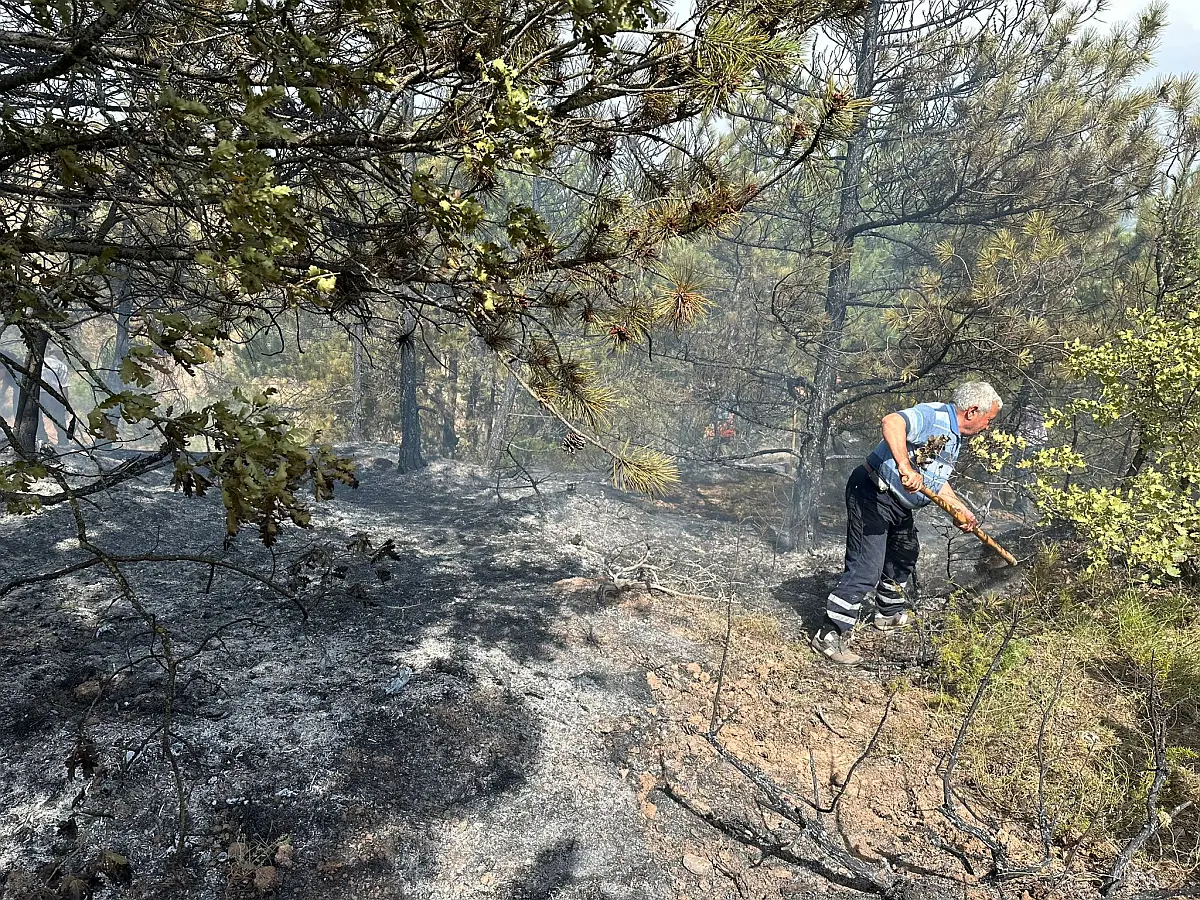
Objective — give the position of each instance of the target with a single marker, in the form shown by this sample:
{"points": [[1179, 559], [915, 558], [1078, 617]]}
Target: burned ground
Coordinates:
{"points": [[417, 734], [457, 701]]}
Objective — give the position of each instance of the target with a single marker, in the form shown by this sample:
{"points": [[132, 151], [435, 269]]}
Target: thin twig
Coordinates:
{"points": [[1158, 724], [949, 807], [713, 726], [1044, 827]]}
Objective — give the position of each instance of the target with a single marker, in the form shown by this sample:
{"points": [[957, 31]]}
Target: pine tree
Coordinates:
{"points": [[202, 174], [985, 120]]}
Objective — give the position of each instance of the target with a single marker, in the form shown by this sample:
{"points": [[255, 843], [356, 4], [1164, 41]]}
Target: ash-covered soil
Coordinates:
{"points": [[455, 703]]}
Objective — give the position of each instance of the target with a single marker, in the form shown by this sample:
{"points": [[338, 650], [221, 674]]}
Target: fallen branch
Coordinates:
{"points": [[764, 782], [129, 469], [533, 482], [101, 558], [821, 718], [854, 875]]}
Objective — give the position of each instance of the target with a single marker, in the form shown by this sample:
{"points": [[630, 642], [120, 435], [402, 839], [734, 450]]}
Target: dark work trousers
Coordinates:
{"points": [[881, 552]]}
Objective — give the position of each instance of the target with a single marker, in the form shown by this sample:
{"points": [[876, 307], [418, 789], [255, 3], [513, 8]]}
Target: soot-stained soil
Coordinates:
{"points": [[458, 700]]}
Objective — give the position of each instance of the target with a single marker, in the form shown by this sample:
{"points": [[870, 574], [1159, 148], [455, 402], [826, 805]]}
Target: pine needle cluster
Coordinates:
{"points": [[644, 471], [570, 386]]}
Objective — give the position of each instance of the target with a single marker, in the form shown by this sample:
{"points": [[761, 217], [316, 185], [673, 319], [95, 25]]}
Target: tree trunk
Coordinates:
{"points": [[485, 445], [410, 415], [356, 400], [501, 411], [474, 415], [1135, 464], [112, 377], [29, 411], [1018, 416], [811, 465], [450, 408]]}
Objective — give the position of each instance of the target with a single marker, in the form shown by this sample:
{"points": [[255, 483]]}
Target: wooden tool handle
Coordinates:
{"points": [[986, 538]]}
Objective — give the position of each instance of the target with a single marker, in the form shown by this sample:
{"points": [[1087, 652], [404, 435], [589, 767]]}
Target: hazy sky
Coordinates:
{"points": [[1180, 49]]}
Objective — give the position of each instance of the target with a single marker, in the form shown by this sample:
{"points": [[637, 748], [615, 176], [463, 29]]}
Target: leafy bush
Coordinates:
{"points": [[1146, 514]]}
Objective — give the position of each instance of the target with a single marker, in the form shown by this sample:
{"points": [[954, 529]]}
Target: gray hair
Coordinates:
{"points": [[977, 393]]}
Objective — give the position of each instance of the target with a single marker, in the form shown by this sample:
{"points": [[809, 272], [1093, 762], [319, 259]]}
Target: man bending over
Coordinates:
{"points": [[881, 497]]}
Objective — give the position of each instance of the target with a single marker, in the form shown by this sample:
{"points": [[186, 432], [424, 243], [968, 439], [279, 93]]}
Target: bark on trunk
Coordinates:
{"points": [[1017, 419], [811, 466], [356, 400], [475, 421], [29, 410], [1135, 464], [490, 414], [501, 411], [112, 378], [450, 408], [410, 415]]}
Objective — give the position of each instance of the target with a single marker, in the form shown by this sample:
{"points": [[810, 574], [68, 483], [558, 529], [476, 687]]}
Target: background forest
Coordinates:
{"points": [[240, 240]]}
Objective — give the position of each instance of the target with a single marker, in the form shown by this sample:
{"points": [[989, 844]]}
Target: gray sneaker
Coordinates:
{"points": [[895, 621], [832, 645]]}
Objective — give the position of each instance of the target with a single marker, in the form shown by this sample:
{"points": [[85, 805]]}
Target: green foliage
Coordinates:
{"points": [[643, 471], [681, 303], [260, 463], [16, 480], [597, 22], [1155, 636], [258, 459], [382, 167], [1001, 308], [968, 643], [958, 243], [996, 448], [568, 385], [1147, 376], [1090, 762]]}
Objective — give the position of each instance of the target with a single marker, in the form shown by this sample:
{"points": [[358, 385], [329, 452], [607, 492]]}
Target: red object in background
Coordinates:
{"points": [[723, 430]]}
